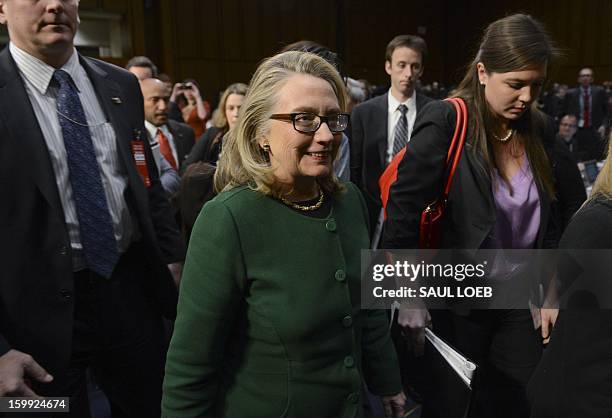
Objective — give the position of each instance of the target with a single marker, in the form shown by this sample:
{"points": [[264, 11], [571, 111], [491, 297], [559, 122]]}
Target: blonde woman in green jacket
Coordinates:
{"points": [[269, 321]]}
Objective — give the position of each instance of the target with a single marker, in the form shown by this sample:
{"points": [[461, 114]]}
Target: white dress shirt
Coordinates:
{"points": [[42, 92], [152, 129]]}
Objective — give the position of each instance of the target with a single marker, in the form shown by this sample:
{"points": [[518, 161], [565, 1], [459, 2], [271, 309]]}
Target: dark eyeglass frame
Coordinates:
{"points": [[291, 117]]}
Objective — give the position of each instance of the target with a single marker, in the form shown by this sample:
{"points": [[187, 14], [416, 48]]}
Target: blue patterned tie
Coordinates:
{"points": [[95, 224], [401, 130]]}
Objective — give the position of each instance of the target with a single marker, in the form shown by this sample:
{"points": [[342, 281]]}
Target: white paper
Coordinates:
{"points": [[462, 366]]}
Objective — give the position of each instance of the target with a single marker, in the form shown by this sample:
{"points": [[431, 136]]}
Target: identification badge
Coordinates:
{"points": [[138, 152]]}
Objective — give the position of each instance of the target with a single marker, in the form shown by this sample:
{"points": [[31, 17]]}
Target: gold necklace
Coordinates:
{"points": [[302, 207], [505, 138]]}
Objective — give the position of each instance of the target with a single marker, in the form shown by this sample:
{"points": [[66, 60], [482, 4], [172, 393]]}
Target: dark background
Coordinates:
{"points": [[219, 42]]}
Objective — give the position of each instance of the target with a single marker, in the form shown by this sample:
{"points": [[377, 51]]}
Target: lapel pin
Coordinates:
{"points": [[116, 100]]}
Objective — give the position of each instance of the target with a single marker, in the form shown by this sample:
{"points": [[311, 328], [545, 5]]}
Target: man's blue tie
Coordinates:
{"points": [[95, 224]]}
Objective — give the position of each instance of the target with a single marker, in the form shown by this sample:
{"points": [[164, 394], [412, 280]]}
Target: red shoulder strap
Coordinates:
{"points": [[456, 146], [389, 176]]}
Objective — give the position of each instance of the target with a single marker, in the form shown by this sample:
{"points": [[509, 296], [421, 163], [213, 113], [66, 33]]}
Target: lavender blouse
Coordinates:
{"points": [[518, 214], [517, 220]]}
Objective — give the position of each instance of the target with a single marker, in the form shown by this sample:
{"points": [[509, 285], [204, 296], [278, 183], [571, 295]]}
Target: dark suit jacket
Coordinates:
{"points": [[36, 286], [204, 150], [574, 377], [470, 212], [584, 147], [369, 122], [555, 106], [184, 139], [599, 104]]}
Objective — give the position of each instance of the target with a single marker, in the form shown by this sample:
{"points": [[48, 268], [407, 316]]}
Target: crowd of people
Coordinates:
{"points": [[207, 263]]}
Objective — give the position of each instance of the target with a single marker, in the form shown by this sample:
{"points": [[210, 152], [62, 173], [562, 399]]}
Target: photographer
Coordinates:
{"points": [[187, 105]]}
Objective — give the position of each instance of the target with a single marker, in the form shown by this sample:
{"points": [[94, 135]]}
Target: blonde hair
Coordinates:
{"points": [[243, 161], [603, 183], [219, 119]]}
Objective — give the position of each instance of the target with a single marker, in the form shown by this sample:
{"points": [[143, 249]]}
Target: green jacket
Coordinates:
{"points": [[269, 321]]}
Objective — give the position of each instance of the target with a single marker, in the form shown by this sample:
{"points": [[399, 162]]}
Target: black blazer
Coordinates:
{"points": [[369, 122], [36, 285], [574, 377], [470, 212], [555, 107], [184, 139], [599, 105], [584, 146], [204, 150]]}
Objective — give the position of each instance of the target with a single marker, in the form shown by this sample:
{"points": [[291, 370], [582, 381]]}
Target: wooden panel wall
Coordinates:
{"points": [[219, 42], [370, 27], [581, 29]]}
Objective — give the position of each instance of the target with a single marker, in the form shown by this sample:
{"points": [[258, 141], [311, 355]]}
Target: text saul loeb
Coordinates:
{"points": [[434, 292], [434, 273]]}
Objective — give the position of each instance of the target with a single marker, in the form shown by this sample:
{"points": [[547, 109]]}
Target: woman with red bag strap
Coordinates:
{"points": [[511, 189]]}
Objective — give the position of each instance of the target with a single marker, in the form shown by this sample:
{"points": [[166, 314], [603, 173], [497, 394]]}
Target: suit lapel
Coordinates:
{"points": [[480, 173], [24, 129], [420, 101], [115, 106], [113, 101], [177, 136], [545, 201], [381, 123]]}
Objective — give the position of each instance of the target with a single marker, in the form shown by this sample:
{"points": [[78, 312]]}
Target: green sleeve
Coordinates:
{"points": [[380, 365], [210, 295]]}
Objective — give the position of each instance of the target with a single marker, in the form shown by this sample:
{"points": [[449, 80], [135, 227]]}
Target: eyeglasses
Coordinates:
{"points": [[308, 123]]}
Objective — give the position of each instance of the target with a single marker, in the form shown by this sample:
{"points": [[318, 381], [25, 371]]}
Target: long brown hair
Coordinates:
{"points": [[514, 43]]}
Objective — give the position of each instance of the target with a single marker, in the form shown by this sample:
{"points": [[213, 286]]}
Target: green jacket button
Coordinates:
{"points": [[347, 321], [331, 225], [353, 397], [340, 275], [349, 362]]}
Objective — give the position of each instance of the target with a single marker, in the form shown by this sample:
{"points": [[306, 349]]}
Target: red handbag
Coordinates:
{"points": [[431, 217], [430, 227]]}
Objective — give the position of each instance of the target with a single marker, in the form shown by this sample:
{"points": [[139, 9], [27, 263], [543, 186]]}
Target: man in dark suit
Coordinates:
{"points": [[582, 150], [555, 102], [381, 126], [589, 104], [175, 139], [86, 231]]}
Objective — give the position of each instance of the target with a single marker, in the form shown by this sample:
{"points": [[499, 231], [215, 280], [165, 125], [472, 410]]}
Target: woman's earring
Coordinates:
{"points": [[266, 147]]}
